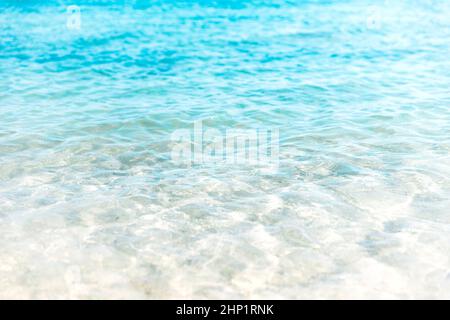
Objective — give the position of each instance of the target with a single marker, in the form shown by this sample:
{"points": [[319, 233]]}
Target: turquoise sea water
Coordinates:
{"points": [[91, 205]]}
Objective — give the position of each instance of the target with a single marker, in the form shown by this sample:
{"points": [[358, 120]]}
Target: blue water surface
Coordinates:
{"points": [[92, 205]]}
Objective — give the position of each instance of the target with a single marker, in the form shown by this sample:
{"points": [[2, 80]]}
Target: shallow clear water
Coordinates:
{"points": [[91, 205]]}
